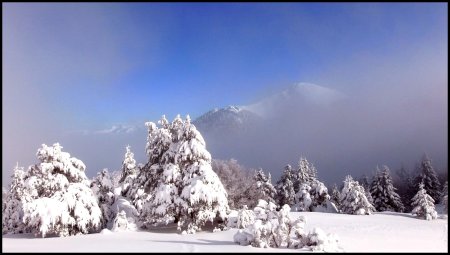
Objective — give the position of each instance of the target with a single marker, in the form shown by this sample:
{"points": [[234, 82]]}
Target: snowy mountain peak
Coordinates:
{"points": [[228, 118]]}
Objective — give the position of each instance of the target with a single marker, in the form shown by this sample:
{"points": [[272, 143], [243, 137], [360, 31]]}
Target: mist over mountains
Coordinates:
{"points": [[339, 134]]}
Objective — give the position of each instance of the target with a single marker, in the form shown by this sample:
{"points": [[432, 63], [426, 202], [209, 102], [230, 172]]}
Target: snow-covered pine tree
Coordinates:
{"points": [[285, 188], [444, 197], [383, 192], [305, 179], [103, 187], [183, 186], [12, 211], [429, 179], [335, 196], [306, 173], [59, 199], [319, 194], [129, 172], [262, 188], [423, 204], [303, 199], [353, 199]]}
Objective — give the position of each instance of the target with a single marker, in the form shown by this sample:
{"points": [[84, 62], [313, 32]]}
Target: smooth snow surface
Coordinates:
{"points": [[379, 232]]}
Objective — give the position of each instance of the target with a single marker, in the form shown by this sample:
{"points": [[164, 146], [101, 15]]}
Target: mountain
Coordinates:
{"points": [[231, 119], [238, 119], [296, 96]]}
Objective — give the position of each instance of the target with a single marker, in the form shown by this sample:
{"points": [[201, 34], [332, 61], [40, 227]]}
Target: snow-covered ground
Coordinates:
{"points": [[380, 232]]}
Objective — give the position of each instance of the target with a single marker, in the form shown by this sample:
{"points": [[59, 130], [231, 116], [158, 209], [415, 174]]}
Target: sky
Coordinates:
{"points": [[74, 71]]}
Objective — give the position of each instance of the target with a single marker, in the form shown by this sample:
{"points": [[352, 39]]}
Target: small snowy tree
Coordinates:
{"points": [[423, 204], [303, 198], [353, 199], [285, 188], [262, 188], [306, 173], [429, 179], [59, 199], [12, 211], [444, 197], [335, 196], [383, 192], [102, 186], [245, 217], [120, 222], [129, 172]]}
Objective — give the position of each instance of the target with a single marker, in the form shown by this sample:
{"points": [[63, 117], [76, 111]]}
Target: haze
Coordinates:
{"points": [[90, 75]]}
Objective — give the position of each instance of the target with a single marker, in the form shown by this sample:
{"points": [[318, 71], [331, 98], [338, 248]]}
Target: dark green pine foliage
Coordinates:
{"points": [[383, 192], [285, 188], [429, 179]]}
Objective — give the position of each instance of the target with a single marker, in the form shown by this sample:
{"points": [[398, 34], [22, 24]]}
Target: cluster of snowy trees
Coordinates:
{"points": [[181, 184], [267, 227], [51, 197], [177, 184], [365, 197]]}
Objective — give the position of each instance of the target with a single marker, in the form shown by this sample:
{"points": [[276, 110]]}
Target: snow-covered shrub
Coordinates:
{"points": [[278, 230], [102, 186], [303, 198], [12, 210], [353, 199], [120, 222], [317, 240], [58, 198], [423, 204], [383, 192]]}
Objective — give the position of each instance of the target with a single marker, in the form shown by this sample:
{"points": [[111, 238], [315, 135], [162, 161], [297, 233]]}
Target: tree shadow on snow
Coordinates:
{"points": [[29, 236], [204, 242], [397, 214]]}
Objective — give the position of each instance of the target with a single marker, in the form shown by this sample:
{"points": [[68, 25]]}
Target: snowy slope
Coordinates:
{"points": [[381, 232]]}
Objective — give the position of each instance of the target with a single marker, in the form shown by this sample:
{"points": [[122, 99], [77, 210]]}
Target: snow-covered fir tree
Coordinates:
{"points": [[262, 188], [429, 179], [303, 199], [180, 181], [12, 211], [285, 188], [353, 199], [58, 197], [423, 204], [365, 183], [336, 196], [310, 192], [444, 198], [129, 172], [306, 173], [103, 187], [383, 192]]}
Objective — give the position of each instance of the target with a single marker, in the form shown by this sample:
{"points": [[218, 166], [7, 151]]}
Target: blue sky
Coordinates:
{"points": [[82, 66]]}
